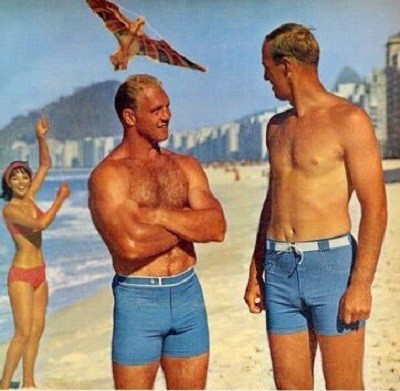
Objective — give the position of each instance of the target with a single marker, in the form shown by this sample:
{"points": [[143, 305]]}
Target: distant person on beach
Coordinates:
{"points": [[27, 285], [317, 281], [149, 206]]}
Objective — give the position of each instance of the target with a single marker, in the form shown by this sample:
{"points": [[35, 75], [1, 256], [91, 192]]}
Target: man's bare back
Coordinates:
{"points": [[310, 183]]}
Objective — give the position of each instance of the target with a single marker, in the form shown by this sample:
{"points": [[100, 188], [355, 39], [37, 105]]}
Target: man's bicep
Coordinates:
{"points": [[200, 195], [115, 214], [364, 162], [107, 195], [200, 198]]}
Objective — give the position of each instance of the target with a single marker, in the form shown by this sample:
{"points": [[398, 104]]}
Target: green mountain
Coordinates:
{"points": [[89, 112]]}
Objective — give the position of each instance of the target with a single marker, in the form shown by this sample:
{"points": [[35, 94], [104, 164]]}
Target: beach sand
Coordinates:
{"points": [[75, 351]]}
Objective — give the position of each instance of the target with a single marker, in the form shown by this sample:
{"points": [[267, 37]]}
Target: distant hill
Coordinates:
{"points": [[89, 112]]}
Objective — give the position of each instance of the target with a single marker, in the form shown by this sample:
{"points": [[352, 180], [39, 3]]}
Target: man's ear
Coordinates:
{"points": [[288, 64], [129, 116]]}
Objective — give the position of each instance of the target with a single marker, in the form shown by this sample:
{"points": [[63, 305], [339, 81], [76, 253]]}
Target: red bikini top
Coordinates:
{"points": [[19, 229]]}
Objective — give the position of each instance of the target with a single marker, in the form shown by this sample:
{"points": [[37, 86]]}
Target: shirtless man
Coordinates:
{"points": [[317, 281], [149, 206]]}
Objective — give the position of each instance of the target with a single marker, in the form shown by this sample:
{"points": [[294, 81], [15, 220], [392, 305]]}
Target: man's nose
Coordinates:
{"points": [[166, 113]]}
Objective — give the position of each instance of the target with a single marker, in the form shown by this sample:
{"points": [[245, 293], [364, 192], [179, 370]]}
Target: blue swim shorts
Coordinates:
{"points": [[158, 316], [304, 283]]}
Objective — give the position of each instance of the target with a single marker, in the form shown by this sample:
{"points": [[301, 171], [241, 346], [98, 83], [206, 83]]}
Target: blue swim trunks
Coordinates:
{"points": [[304, 283], [158, 316]]}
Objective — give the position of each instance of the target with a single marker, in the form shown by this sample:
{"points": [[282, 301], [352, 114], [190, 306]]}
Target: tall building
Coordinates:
{"points": [[393, 95], [376, 106], [243, 139], [56, 148]]}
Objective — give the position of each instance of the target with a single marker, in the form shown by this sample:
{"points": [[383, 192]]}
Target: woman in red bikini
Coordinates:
{"points": [[27, 285]]}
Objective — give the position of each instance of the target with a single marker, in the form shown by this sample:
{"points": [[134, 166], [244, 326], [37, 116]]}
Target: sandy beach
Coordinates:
{"points": [[75, 352]]}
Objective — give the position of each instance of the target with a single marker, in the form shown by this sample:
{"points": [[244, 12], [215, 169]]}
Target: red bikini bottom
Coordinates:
{"points": [[32, 275]]}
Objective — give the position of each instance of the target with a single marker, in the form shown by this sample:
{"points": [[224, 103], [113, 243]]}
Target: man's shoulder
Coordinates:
{"points": [[349, 117], [342, 108], [281, 117], [351, 123], [107, 170], [189, 164], [180, 158]]}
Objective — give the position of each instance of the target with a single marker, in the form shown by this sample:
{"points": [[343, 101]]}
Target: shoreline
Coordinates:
{"points": [[75, 349]]}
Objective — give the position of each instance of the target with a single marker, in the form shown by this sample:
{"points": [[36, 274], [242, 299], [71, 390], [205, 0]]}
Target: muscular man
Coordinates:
{"points": [[317, 280], [149, 206]]}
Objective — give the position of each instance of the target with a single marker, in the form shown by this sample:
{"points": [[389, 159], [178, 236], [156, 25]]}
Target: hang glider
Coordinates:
{"points": [[134, 41]]}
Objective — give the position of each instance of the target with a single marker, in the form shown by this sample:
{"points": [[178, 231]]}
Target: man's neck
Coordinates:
{"points": [[137, 147], [307, 93]]}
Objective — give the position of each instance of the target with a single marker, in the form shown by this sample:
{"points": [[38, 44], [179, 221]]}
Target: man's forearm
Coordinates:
{"points": [[257, 262], [204, 225], [136, 240], [156, 244], [370, 238], [141, 241]]}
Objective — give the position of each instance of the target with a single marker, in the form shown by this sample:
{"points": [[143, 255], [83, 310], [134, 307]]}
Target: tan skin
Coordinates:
{"points": [[150, 205], [321, 151], [29, 305]]}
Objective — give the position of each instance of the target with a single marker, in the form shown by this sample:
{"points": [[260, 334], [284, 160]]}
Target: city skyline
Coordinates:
{"points": [[50, 48], [236, 140]]}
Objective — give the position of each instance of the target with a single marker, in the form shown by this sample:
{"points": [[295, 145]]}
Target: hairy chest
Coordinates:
{"points": [[158, 184]]}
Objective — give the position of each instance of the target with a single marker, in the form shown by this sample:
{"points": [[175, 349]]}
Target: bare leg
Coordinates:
{"points": [[38, 321], [342, 359], [293, 358], [140, 377], [21, 300], [188, 373]]}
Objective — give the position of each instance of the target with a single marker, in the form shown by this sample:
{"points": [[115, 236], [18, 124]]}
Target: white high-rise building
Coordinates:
{"points": [[393, 95], [376, 106]]}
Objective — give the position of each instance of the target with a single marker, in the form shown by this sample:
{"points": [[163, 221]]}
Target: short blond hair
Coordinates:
{"points": [[129, 91], [293, 40]]}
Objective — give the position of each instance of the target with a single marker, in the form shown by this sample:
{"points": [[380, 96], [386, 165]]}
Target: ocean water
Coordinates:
{"points": [[78, 263]]}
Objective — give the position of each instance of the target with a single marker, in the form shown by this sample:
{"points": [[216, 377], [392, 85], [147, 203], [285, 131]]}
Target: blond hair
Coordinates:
{"points": [[129, 91], [293, 40]]}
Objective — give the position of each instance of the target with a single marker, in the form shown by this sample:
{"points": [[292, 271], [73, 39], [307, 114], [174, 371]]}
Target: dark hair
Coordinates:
{"points": [[16, 165], [293, 40], [6, 190], [128, 92]]}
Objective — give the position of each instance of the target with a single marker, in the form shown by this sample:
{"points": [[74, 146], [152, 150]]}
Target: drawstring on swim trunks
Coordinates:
{"points": [[292, 247]]}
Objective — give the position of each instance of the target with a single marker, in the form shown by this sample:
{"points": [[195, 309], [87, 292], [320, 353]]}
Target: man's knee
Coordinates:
{"points": [[300, 382], [139, 377], [186, 372], [354, 382]]}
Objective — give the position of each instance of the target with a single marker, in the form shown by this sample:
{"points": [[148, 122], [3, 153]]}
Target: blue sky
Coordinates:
{"points": [[51, 47]]}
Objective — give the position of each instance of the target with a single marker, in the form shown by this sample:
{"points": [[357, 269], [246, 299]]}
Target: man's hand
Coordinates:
{"points": [[355, 304], [254, 297]]}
